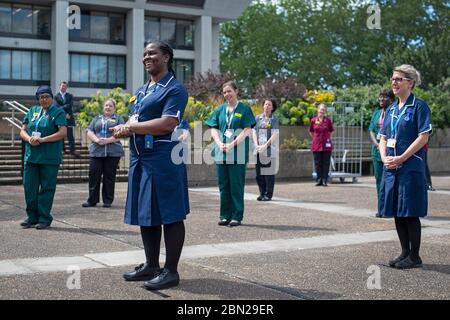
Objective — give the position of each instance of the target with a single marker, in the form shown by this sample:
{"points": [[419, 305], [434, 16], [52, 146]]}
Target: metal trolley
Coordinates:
{"points": [[347, 139]]}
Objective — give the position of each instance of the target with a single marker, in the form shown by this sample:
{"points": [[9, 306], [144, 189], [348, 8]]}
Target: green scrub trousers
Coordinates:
{"points": [[231, 178]]}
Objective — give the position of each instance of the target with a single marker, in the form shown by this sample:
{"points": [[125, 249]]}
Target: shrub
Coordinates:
{"points": [[293, 143], [94, 107]]}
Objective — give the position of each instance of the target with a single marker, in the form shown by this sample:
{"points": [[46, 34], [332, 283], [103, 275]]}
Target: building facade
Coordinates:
{"points": [[98, 44]]}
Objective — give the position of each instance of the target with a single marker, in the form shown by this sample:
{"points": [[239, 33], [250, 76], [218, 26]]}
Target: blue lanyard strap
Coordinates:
{"points": [[229, 116], [39, 119], [394, 126]]}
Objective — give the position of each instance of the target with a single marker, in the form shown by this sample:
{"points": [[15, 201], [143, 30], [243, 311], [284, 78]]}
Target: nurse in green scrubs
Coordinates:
{"points": [[43, 130], [231, 124]]}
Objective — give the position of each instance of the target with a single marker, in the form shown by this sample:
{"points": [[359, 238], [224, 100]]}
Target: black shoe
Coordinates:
{"points": [[392, 263], [142, 272], [163, 280], [266, 198], [76, 155], [430, 188], [320, 183], [377, 215], [25, 224], [88, 204], [224, 222], [235, 223], [107, 205], [260, 198], [42, 226], [325, 184], [409, 263]]}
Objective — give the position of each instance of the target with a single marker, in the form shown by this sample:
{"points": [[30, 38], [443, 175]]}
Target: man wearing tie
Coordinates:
{"points": [[65, 101]]}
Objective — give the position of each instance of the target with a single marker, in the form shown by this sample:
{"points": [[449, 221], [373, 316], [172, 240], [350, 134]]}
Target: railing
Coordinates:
{"points": [[13, 121]]}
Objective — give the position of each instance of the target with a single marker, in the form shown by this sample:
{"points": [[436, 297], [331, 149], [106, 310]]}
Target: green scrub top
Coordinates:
{"points": [[241, 118], [49, 123], [375, 128]]}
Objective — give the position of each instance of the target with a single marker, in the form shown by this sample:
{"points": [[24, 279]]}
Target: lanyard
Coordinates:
{"points": [[229, 117], [394, 127], [382, 115], [39, 119]]}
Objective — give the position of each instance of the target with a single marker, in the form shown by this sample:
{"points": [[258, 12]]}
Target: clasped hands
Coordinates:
{"points": [[226, 147], [35, 141], [121, 131], [393, 162]]}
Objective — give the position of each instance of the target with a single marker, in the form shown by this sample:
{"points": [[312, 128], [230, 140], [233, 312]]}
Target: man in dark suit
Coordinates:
{"points": [[65, 101]]}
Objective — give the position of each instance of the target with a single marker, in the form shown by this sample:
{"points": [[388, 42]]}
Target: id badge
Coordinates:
{"points": [[378, 137], [134, 118], [327, 145], [148, 141], [36, 134], [228, 134], [391, 143]]}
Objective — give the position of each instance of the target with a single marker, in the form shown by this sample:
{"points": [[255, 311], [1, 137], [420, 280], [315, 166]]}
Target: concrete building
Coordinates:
{"points": [[98, 44]]}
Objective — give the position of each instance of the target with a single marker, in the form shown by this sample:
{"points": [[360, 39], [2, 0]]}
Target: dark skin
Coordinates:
{"points": [[156, 64], [385, 102]]}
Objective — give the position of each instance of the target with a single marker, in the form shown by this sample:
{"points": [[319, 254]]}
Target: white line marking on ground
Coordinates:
{"points": [[133, 257], [341, 210]]}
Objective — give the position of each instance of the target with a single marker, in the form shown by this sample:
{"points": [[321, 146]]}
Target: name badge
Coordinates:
{"points": [[134, 118], [328, 145], [391, 143], [36, 134], [228, 134], [148, 141]]}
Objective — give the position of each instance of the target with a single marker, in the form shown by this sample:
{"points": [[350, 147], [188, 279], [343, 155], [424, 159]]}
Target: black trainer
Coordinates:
{"points": [[107, 205], [42, 226], [142, 272], [163, 280], [266, 198], [88, 204], [224, 222], [260, 198], [320, 183], [235, 223], [25, 224], [409, 263], [392, 263]]}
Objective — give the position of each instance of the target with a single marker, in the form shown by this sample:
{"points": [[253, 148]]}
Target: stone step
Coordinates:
{"points": [[61, 179]]}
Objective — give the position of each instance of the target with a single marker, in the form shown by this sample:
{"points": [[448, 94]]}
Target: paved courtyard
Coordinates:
{"points": [[309, 243]]}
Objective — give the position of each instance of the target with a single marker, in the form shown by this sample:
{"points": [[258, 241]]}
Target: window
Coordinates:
{"points": [[100, 27], [20, 20], [24, 67], [177, 33], [97, 71], [184, 69]]}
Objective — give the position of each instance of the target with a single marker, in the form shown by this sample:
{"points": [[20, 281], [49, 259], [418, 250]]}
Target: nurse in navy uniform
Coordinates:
{"points": [[403, 192], [157, 187]]}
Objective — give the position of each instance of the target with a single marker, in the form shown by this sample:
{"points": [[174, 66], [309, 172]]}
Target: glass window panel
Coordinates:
{"points": [[5, 17], [21, 65], [5, 64], [45, 65], [117, 22], [183, 70], [98, 69], [42, 18], [79, 68], [22, 19], [184, 34], [151, 29], [37, 66], [120, 69], [168, 31], [112, 70], [99, 26]]}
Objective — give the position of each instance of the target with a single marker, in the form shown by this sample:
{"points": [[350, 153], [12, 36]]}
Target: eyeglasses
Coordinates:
{"points": [[399, 79], [44, 96]]}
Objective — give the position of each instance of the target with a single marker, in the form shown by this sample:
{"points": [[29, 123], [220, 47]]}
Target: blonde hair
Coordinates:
{"points": [[112, 101], [411, 73]]}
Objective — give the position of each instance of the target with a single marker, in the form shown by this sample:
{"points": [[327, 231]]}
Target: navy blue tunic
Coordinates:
{"points": [[157, 187], [403, 191]]}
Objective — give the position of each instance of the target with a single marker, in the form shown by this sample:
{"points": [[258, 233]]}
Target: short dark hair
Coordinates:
{"points": [[64, 82], [274, 103], [387, 93], [230, 83], [165, 49]]}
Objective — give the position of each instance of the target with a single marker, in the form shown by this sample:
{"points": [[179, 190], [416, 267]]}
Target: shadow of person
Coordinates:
{"points": [[441, 268], [232, 290]]}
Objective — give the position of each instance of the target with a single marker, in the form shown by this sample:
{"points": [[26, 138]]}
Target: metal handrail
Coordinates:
{"points": [[13, 121]]}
